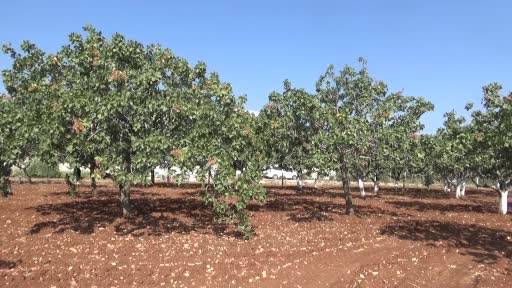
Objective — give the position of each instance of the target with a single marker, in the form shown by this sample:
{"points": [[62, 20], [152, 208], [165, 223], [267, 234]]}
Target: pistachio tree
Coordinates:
{"points": [[404, 138], [493, 134], [428, 157], [27, 84], [346, 101], [362, 122], [142, 109], [391, 121], [7, 145], [239, 159], [289, 125], [223, 142], [98, 101], [118, 105], [90, 91], [380, 129], [78, 79], [454, 158]]}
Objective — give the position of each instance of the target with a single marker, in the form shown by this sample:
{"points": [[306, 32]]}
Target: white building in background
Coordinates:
{"points": [[174, 171], [64, 168], [314, 175]]}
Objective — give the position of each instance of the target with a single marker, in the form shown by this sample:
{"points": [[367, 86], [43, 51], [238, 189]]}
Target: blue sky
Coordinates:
{"points": [[444, 51]]}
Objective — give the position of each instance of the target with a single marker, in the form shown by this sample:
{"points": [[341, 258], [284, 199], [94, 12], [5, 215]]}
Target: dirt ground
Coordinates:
{"points": [[409, 238]]}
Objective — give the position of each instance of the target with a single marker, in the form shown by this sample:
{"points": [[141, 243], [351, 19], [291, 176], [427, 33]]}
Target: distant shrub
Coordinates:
{"points": [[38, 169]]}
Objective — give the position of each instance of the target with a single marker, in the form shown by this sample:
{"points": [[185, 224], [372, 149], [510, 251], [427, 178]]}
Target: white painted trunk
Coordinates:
{"points": [[376, 187], [446, 188], [463, 189], [299, 183], [361, 187], [457, 191], [503, 202]]}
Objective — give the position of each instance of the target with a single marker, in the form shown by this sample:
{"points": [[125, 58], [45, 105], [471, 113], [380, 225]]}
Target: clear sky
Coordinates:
{"points": [[444, 51]]}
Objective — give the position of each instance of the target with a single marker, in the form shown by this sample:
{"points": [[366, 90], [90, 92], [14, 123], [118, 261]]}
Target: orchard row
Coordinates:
{"points": [[117, 106]]}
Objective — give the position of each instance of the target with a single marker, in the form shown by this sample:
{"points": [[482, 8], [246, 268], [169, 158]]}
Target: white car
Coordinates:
{"points": [[276, 173]]}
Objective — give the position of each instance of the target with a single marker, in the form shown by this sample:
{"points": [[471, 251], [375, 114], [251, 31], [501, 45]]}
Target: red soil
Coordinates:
{"points": [[413, 238]]}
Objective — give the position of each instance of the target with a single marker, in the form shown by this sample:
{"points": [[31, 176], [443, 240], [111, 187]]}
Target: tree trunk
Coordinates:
{"points": [[299, 182], [153, 177], [349, 207], [282, 179], [361, 188], [457, 190], [92, 168], [463, 189], [3, 187], [78, 174], [125, 199], [47, 176], [209, 176], [25, 171], [446, 187], [6, 188], [376, 185], [94, 189], [503, 202]]}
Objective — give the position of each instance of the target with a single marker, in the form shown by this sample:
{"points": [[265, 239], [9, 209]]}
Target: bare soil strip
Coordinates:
{"points": [[412, 238]]}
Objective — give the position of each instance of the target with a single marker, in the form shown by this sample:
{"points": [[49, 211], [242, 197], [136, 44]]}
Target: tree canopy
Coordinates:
{"points": [[117, 106]]}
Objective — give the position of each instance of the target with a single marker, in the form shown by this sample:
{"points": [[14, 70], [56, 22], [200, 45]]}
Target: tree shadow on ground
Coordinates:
{"points": [[151, 216], [420, 193], [369, 211], [302, 207], [101, 193], [7, 265], [327, 192], [443, 207], [305, 191], [483, 244], [423, 193], [176, 185]]}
